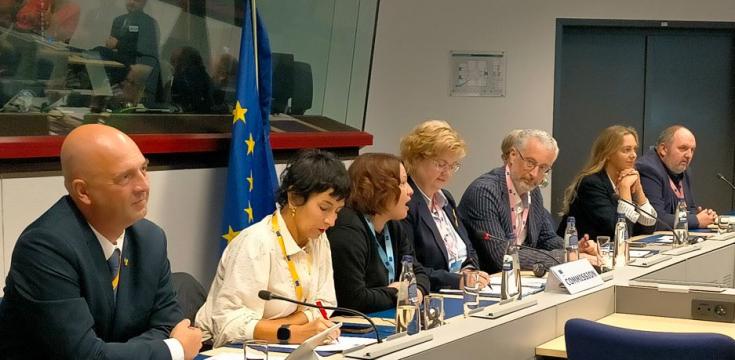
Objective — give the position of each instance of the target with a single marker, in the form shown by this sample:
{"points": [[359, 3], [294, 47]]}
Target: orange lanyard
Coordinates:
{"points": [[291, 265]]}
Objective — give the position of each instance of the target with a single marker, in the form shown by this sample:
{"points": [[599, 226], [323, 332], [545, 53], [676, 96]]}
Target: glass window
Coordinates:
{"points": [[77, 61]]}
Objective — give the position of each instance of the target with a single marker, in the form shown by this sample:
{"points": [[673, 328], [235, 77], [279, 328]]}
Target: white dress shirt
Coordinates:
{"points": [[254, 261], [456, 248], [174, 346], [634, 215]]}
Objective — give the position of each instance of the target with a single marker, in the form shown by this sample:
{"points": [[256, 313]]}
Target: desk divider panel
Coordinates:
{"points": [[590, 307], [653, 302]]}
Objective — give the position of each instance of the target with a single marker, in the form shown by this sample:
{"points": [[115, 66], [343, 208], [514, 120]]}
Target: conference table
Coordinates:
{"points": [[630, 295]]}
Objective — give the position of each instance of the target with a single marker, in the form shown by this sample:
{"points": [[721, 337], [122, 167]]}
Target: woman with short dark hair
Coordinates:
{"points": [[368, 241], [286, 253]]}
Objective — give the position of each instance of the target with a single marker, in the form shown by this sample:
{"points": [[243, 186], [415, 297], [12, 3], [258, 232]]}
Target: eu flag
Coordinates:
{"points": [[251, 176]]}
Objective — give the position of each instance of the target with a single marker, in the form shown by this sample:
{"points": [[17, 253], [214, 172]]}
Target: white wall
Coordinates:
{"points": [[410, 73]]}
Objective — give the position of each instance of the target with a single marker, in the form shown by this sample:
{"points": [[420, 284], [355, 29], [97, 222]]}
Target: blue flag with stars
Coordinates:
{"points": [[251, 176]]}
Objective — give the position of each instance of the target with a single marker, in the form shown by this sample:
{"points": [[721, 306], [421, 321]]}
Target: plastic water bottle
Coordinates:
{"points": [[407, 314], [571, 240], [620, 253], [510, 278], [681, 225]]}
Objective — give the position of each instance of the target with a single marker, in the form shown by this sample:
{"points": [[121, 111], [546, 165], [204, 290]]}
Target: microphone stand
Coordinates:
{"points": [[267, 296], [726, 181], [487, 236], [673, 251], [396, 342]]}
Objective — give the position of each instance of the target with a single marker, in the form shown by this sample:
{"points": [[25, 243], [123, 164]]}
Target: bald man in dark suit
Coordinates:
{"points": [[90, 278]]}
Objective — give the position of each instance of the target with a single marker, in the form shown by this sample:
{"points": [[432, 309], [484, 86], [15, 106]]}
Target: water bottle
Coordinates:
{"points": [[681, 225], [620, 252], [407, 314], [571, 240], [510, 277]]}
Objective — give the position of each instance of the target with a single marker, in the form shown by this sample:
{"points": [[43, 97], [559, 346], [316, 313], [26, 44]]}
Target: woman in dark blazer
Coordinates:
{"points": [[368, 240], [596, 195], [432, 152]]}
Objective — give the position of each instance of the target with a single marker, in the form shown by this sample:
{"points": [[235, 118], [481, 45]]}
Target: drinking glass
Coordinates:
{"points": [[255, 350], [606, 251], [471, 291], [433, 311]]}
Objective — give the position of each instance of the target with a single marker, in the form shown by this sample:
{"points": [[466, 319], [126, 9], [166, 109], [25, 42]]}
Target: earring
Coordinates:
{"points": [[292, 210]]}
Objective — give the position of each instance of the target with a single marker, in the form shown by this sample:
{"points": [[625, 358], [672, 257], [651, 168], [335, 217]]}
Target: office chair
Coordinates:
{"points": [[189, 293], [591, 340], [283, 81], [303, 88]]}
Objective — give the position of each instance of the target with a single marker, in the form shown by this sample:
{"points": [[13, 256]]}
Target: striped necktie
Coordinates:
{"points": [[114, 263]]}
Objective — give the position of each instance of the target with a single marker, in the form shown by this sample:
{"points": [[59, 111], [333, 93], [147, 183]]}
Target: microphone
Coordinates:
{"points": [[667, 226], [267, 296], [539, 268], [726, 181]]}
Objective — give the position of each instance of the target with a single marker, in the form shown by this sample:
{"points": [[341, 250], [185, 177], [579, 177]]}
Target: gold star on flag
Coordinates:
{"points": [[251, 144], [251, 180], [230, 234], [238, 113], [249, 210]]}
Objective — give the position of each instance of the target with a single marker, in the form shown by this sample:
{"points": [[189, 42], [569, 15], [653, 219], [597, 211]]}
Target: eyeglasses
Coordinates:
{"points": [[445, 166], [530, 164]]}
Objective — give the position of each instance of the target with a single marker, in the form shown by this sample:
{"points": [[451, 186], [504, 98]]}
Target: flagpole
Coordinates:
{"points": [[254, 23]]}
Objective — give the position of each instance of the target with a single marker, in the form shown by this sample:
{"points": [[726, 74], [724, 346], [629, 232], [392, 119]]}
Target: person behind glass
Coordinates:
{"points": [[134, 40], [368, 241], [191, 88], [506, 203], [53, 19], [665, 179], [596, 195], [432, 152], [286, 253]]}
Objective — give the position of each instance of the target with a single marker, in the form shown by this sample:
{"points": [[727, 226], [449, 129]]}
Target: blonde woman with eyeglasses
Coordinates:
{"points": [[432, 153]]}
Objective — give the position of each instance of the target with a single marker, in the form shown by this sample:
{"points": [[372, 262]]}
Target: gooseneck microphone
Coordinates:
{"points": [[726, 181], [667, 226], [267, 296], [539, 269]]}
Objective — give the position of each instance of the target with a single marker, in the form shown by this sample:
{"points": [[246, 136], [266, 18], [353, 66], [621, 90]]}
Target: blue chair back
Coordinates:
{"points": [[591, 340]]}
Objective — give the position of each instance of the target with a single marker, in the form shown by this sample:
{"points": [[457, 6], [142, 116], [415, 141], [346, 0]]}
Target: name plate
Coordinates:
{"points": [[573, 277]]}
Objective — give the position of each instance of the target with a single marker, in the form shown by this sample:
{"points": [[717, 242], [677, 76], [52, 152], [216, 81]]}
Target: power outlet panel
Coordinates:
{"points": [[710, 310]]}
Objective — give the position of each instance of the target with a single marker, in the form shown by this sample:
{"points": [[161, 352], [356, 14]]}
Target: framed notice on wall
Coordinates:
{"points": [[477, 73]]}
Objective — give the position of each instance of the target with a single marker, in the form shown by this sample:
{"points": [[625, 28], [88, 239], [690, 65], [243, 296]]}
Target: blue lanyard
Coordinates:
{"points": [[386, 256]]}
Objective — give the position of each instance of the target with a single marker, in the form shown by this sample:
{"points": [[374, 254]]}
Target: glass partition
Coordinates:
{"points": [[77, 61]]}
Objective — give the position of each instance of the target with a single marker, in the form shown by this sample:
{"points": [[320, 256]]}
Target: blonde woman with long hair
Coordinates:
{"points": [[606, 185]]}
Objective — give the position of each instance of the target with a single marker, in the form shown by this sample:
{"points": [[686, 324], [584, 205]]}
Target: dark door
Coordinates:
{"points": [[648, 78], [601, 84], [689, 81]]}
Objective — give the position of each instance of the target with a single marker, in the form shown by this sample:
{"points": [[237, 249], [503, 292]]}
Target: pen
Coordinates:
{"points": [[321, 309]]}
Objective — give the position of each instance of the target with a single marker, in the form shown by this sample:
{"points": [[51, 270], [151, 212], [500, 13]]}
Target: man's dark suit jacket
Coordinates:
{"points": [[58, 296], [485, 208], [656, 186], [136, 32], [360, 278], [595, 209], [428, 243]]}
